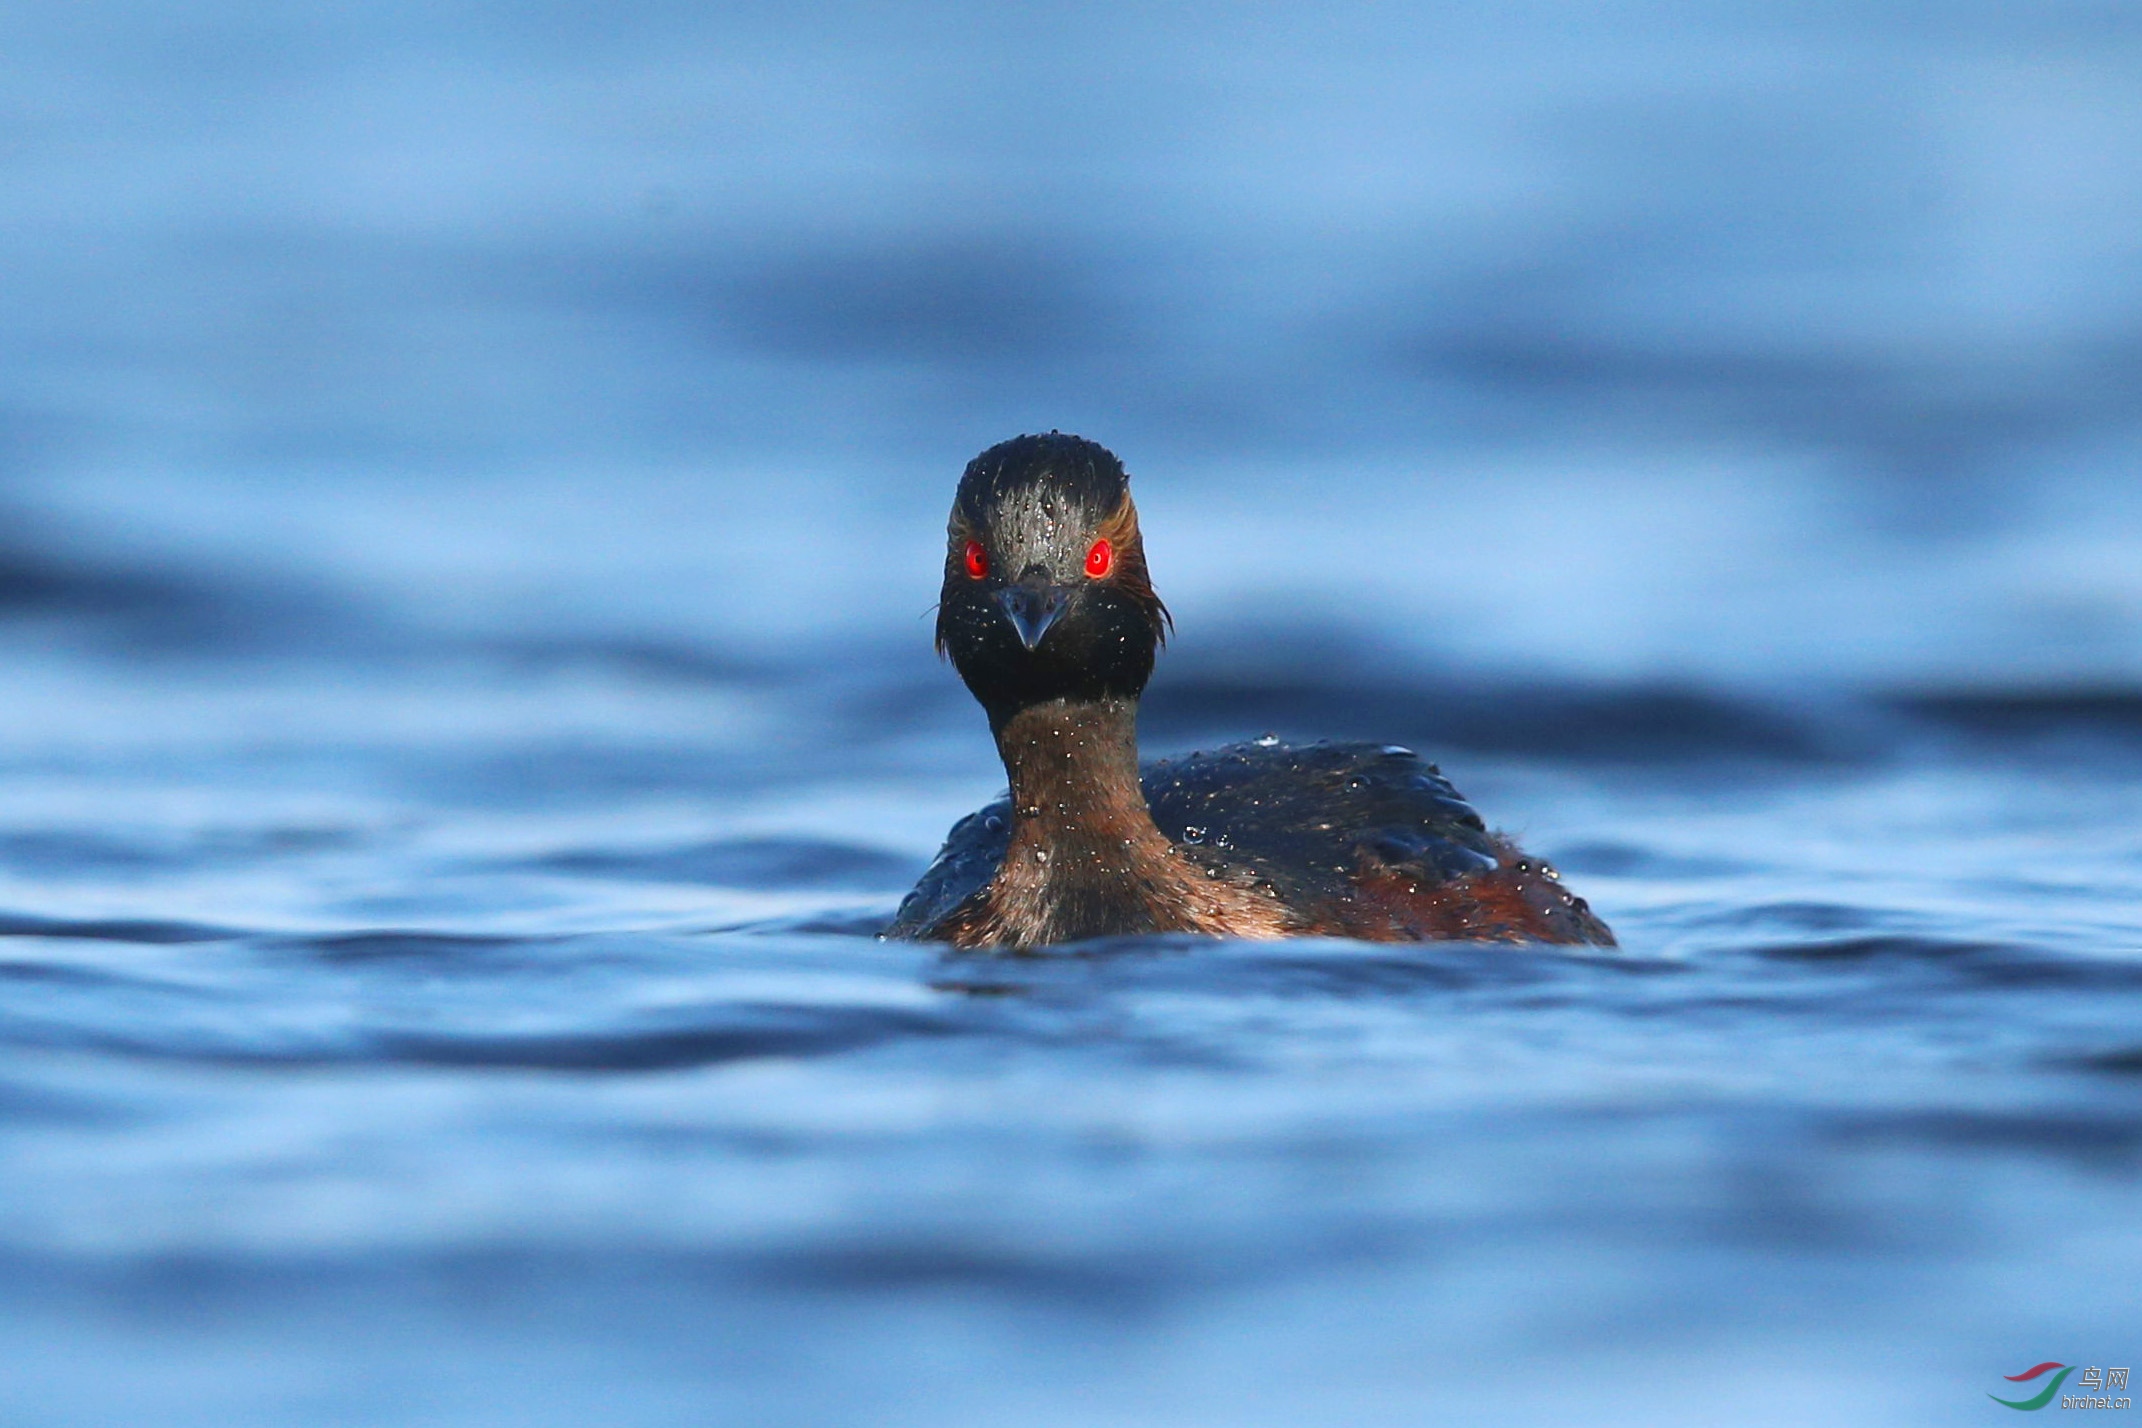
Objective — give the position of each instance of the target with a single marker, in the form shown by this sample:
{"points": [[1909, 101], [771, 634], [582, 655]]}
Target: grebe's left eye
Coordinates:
{"points": [[1101, 559], [977, 561]]}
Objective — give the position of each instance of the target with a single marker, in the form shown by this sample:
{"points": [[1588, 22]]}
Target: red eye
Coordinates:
{"points": [[977, 561], [1101, 559]]}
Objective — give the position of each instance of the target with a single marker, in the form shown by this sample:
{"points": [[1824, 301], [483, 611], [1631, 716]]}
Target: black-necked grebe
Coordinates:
{"points": [[1051, 620]]}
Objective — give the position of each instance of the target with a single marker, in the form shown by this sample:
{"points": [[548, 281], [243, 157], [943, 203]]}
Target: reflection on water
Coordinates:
{"points": [[470, 498]]}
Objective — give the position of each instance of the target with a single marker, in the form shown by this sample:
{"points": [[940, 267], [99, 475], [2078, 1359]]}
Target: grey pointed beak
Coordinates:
{"points": [[1032, 608]]}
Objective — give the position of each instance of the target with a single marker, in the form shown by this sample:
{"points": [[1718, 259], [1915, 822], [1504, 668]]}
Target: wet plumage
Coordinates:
{"points": [[1050, 618]]}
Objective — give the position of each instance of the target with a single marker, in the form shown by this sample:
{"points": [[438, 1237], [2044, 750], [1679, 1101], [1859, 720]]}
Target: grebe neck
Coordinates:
{"points": [[1085, 859], [1078, 810]]}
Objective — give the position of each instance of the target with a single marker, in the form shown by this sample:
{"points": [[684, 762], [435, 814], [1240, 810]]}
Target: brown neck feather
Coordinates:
{"points": [[1085, 859]]}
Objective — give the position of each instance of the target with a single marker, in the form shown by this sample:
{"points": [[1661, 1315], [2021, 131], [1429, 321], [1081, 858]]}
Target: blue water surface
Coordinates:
{"points": [[471, 499]]}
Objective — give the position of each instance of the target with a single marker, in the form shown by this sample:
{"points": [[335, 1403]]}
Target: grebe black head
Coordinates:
{"points": [[1046, 595]]}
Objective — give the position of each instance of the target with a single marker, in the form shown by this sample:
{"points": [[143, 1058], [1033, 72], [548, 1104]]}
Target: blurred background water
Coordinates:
{"points": [[471, 485]]}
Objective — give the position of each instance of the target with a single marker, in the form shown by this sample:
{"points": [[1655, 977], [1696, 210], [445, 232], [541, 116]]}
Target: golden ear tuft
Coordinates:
{"points": [[958, 531], [1120, 530]]}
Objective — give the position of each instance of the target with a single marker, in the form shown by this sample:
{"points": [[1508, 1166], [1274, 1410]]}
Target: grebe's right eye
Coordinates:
{"points": [[977, 561]]}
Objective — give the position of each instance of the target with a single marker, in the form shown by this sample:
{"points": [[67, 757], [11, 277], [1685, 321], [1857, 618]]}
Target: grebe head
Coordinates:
{"points": [[1046, 594]]}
